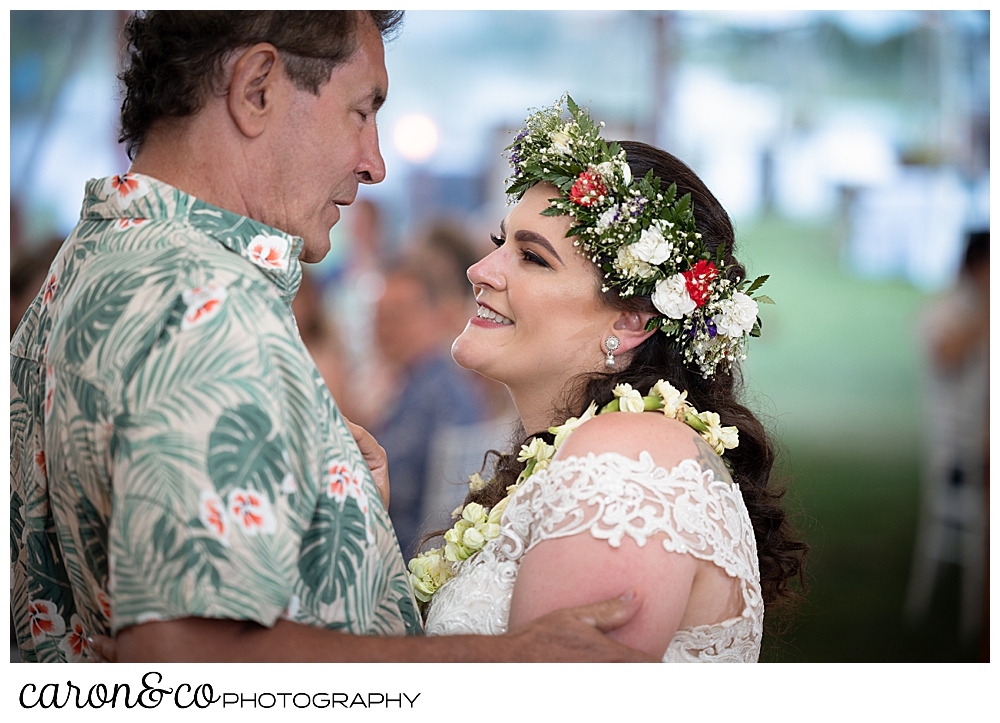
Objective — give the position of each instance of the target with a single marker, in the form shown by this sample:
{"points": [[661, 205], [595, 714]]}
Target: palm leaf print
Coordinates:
{"points": [[96, 311], [333, 550], [240, 453]]}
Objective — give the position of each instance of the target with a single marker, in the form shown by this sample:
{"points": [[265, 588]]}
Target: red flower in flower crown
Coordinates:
{"points": [[588, 188], [697, 280]]}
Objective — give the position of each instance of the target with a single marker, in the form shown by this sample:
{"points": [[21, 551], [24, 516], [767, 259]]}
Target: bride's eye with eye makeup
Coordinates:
{"points": [[497, 240], [534, 258]]}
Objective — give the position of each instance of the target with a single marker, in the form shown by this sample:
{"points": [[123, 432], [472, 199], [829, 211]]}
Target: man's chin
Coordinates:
{"points": [[315, 250]]}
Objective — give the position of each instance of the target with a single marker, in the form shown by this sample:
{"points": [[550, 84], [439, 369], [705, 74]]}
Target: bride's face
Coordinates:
{"points": [[540, 319]]}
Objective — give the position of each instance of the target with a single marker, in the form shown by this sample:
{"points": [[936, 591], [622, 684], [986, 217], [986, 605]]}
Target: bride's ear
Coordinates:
{"points": [[630, 328]]}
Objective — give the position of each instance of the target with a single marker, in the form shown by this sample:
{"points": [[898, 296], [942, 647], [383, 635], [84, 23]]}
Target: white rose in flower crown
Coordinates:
{"points": [[607, 171], [629, 399], [626, 172], [605, 220], [630, 265], [672, 299], [672, 399], [736, 315], [652, 247], [560, 143]]}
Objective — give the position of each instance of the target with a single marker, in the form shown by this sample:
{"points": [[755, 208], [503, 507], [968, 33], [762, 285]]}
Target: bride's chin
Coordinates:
{"points": [[466, 354]]}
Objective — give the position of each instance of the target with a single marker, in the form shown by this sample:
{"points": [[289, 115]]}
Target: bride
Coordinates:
{"points": [[613, 290]]}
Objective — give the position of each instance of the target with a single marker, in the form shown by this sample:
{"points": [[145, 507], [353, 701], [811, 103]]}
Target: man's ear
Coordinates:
{"points": [[630, 328], [257, 84]]}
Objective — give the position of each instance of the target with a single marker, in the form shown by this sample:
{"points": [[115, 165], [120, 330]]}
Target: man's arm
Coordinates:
{"points": [[568, 635]]}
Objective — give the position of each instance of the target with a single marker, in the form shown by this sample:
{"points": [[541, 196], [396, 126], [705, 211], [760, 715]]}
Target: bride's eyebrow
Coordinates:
{"points": [[530, 237]]}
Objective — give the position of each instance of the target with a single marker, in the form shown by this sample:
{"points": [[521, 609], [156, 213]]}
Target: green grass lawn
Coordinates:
{"points": [[838, 372]]}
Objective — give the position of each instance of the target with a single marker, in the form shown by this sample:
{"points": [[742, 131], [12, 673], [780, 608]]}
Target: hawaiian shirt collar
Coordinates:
{"points": [[133, 198]]}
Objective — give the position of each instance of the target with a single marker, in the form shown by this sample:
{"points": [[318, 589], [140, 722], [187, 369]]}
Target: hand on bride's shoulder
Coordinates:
{"points": [[629, 434]]}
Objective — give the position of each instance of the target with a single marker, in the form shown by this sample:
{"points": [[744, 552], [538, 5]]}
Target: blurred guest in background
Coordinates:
{"points": [[955, 330], [320, 336], [426, 297]]}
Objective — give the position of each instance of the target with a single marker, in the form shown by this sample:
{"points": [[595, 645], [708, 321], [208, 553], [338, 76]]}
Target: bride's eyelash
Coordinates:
{"points": [[533, 258], [525, 254]]}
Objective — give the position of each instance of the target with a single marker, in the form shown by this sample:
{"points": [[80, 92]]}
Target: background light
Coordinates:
{"points": [[416, 137]]}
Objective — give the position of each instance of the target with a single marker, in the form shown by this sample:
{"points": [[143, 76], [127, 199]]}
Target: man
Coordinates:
{"points": [[180, 475]]}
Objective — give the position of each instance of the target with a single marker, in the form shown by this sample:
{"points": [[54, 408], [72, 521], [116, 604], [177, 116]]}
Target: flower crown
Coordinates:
{"points": [[643, 238]]}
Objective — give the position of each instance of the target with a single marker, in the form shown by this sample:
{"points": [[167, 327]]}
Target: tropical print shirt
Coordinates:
{"points": [[174, 451]]}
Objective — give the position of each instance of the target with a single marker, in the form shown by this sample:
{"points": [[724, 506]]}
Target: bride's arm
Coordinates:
{"points": [[580, 568]]}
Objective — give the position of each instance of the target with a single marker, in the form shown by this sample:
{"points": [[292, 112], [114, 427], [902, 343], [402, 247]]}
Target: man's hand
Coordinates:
{"points": [[375, 458], [103, 649], [578, 634]]}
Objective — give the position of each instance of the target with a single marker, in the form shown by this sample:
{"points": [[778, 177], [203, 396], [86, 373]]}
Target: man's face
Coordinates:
{"points": [[326, 145]]}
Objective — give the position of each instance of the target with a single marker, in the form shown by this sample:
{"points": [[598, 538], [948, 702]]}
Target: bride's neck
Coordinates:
{"points": [[538, 409]]}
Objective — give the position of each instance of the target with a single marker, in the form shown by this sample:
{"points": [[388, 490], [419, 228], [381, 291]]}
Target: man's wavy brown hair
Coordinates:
{"points": [[175, 58]]}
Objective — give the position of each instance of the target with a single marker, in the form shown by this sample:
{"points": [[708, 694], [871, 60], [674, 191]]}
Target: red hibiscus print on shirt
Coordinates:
{"points": [[75, 645], [45, 620], [340, 481], [697, 281], [212, 513], [51, 284], [251, 511], [40, 462], [126, 188], [50, 390], [124, 224], [105, 603], [269, 252], [203, 303]]}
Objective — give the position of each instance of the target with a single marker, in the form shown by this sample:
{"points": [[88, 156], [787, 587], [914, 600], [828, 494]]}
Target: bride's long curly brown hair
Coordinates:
{"points": [[781, 553]]}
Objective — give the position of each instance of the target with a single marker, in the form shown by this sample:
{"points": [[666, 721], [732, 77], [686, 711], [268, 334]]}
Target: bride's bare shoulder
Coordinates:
{"points": [[666, 439]]}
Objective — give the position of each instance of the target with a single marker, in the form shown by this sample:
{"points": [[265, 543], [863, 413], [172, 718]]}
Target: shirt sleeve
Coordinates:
{"points": [[207, 518]]}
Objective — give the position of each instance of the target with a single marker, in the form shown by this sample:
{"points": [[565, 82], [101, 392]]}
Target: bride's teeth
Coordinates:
{"points": [[483, 313]]}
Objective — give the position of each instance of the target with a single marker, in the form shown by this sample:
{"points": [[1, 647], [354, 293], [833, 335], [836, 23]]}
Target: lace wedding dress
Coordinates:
{"points": [[610, 496]]}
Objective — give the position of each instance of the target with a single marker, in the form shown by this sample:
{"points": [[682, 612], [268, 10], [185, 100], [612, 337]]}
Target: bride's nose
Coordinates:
{"points": [[486, 272]]}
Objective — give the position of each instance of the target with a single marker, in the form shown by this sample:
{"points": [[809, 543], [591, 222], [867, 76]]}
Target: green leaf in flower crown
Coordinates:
{"points": [[684, 205], [614, 149], [720, 255], [671, 193], [762, 299], [757, 283]]}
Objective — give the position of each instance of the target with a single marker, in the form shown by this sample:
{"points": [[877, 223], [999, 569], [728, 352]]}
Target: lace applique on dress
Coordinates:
{"points": [[612, 496]]}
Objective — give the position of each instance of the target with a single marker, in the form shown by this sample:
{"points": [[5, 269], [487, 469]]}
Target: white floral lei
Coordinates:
{"points": [[476, 525], [643, 238]]}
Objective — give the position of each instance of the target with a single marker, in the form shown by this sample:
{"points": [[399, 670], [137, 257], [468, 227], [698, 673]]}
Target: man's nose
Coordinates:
{"points": [[371, 169]]}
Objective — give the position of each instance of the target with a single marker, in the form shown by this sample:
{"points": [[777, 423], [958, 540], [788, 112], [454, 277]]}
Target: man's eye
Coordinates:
{"points": [[497, 241]]}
